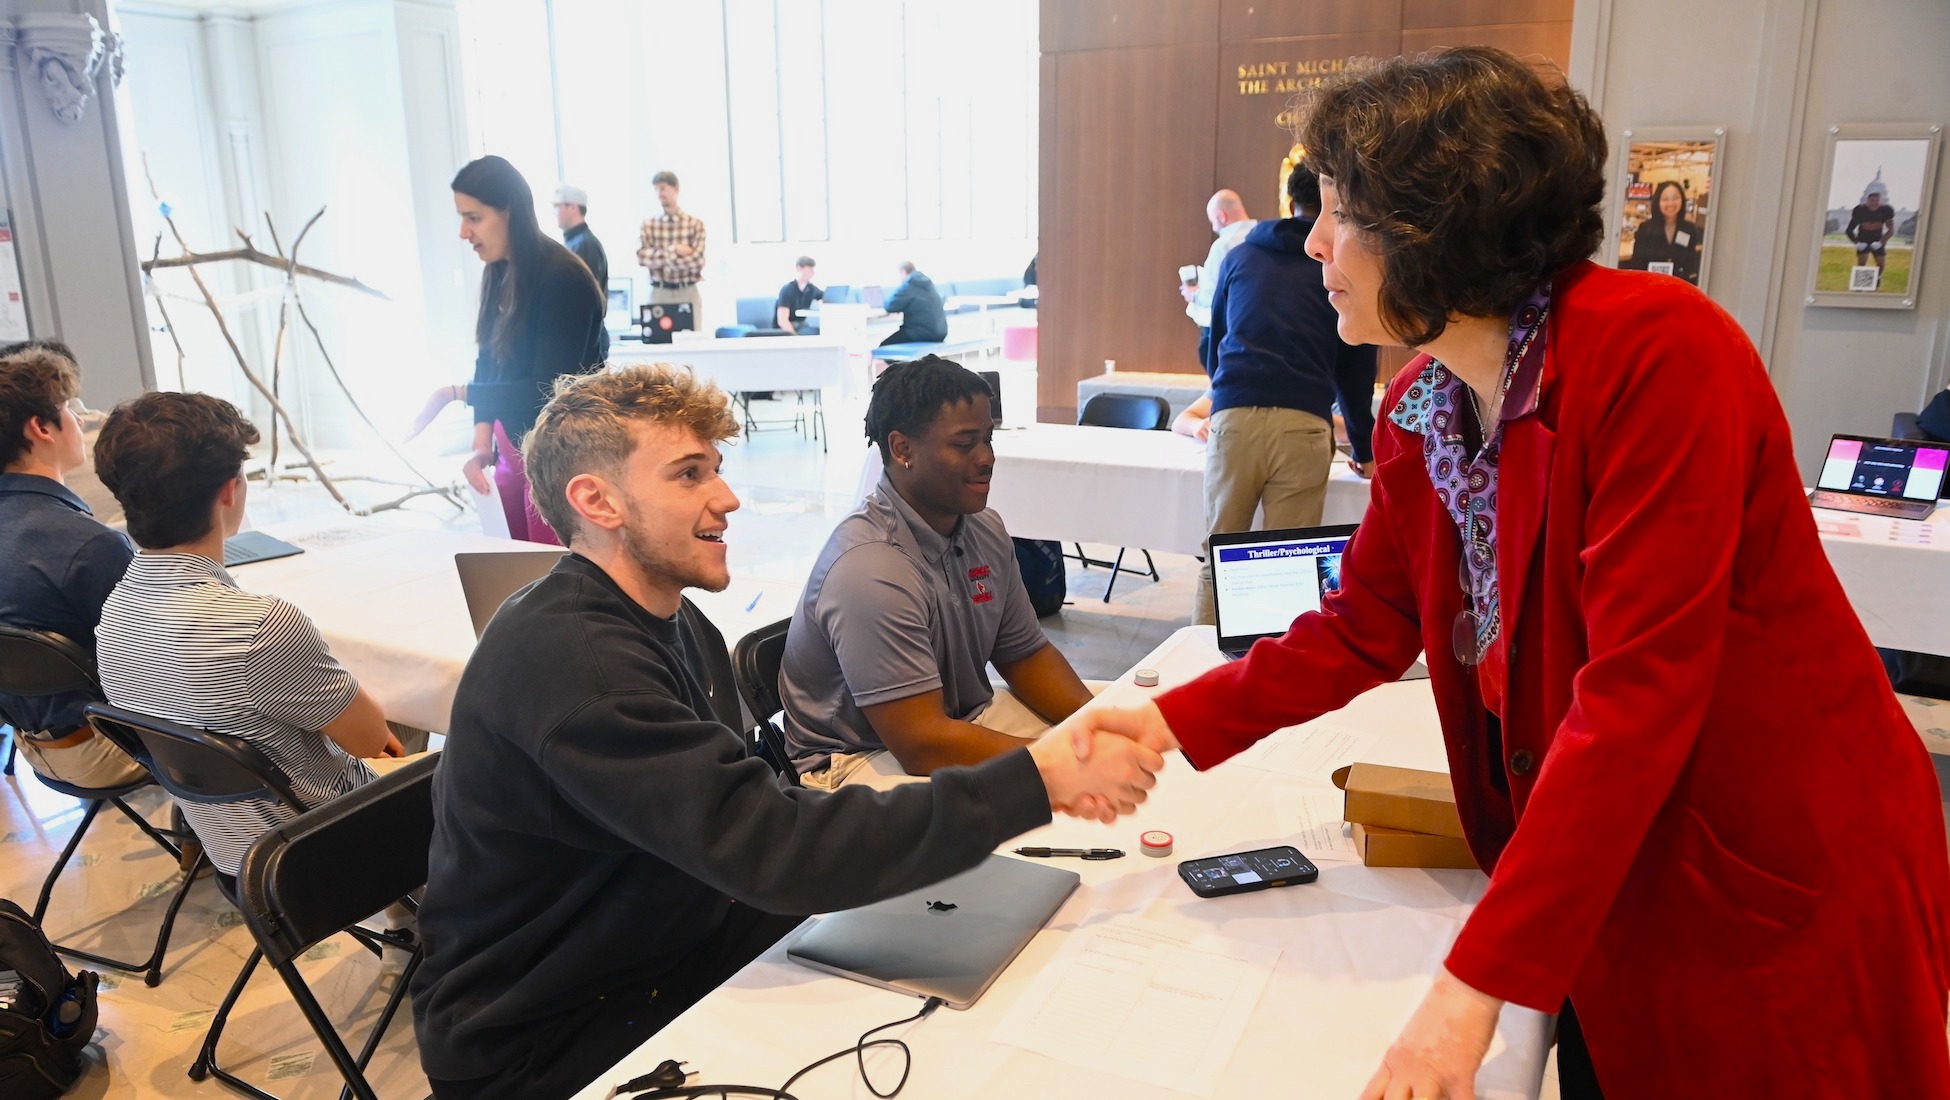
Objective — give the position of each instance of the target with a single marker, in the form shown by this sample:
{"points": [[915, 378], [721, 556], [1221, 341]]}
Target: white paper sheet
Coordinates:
{"points": [[1145, 1001], [1313, 823], [1310, 752]]}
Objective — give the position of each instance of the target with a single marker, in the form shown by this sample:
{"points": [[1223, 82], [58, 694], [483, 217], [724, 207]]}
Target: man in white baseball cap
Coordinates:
{"points": [[571, 212]]}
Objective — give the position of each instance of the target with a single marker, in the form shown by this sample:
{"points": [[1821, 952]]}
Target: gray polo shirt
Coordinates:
{"points": [[894, 609]]}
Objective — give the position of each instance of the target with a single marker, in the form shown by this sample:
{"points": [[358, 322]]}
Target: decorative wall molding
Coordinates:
{"points": [[65, 53]]}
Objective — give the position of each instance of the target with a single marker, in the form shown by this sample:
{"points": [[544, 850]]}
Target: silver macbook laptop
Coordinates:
{"points": [[1263, 580], [1899, 478], [488, 579], [950, 940]]}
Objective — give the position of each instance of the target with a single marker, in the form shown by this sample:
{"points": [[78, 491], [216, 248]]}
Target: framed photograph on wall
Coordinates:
{"points": [[1875, 190], [1663, 206]]}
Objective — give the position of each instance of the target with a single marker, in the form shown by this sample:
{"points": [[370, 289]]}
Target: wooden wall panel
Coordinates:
{"points": [[1530, 41], [1148, 106], [1482, 13], [1242, 20], [1258, 84], [1132, 167], [1069, 25]]}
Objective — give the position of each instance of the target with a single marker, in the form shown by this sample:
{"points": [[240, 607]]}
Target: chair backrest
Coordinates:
{"points": [[195, 765], [334, 866], [41, 662], [756, 663], [1146, 412]]}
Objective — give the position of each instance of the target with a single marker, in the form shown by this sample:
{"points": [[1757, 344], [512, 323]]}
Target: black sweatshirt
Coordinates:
{"points": [[562, 334], [590, 827]]}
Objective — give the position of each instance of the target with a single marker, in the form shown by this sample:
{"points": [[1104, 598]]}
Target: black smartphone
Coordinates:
{"points": [[1216, 876]]}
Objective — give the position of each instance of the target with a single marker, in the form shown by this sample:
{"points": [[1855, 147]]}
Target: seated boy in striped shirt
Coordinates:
{"points": [[179, 640]]}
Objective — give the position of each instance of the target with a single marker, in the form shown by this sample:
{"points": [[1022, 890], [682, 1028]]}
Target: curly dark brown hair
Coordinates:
{"points": [[1474, 179], [34, 383], [165, 456]]}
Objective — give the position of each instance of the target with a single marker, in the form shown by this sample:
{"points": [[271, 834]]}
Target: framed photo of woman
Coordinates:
{"points": [[1665, 199], [1875, 189]]}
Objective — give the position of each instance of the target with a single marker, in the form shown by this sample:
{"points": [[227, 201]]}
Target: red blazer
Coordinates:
{"points": [[1708, 821]]}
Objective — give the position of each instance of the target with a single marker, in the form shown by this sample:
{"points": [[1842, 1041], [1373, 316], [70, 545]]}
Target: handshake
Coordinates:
{"points": [[1099, 762]]}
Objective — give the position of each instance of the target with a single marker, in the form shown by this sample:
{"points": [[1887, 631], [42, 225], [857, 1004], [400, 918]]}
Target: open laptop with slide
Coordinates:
{"points": [[1898, 478], [950, 940], [1263, 580], [488, 579]]}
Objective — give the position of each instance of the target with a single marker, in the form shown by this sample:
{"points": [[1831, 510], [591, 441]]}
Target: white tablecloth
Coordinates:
{"points": [[742, 365], [1357, 951], [1115, 486], [388, 603], [1896, 573]]}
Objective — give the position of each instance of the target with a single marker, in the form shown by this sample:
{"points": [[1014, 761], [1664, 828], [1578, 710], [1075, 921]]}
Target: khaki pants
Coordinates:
{"points": [[95, 763], [1278, 459], [664, 295], [878, 769]]}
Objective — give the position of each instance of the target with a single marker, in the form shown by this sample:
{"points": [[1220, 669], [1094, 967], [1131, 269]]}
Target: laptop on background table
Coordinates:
{"points": [[488, 579], [1263, 580], [950, 940], [1897, 478]]}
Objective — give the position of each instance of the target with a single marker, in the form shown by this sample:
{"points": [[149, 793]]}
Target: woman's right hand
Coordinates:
{"points": [[437, 401], [475, 470]]}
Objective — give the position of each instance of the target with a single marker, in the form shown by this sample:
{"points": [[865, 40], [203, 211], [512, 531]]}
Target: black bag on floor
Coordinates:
{"points": [[47, 1016], [1041, 563]]}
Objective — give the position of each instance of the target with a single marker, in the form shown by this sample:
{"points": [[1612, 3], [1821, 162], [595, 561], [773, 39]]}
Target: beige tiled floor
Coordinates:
{"points": [[114, 894]]}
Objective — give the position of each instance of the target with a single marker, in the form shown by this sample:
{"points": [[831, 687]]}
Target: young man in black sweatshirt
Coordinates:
{"points": [[605, 852]]}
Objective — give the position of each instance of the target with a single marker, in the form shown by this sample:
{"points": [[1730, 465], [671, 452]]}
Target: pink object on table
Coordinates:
{"points": [[1019, 343]]}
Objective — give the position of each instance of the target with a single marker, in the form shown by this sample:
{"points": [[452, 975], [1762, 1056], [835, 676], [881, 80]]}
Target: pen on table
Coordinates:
{"points": [[755, 599], [1076, 853]]}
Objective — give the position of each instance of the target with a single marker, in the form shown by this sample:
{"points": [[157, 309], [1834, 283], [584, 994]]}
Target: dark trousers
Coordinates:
{"points": [[903, 336], [1576, 1077], [568, 1053]]}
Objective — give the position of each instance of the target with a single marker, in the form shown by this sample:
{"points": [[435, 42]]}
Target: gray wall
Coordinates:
{"points": [[1777, 74], [66, 189]]}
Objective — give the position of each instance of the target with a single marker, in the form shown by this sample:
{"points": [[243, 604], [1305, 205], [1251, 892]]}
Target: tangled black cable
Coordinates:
{"points": [[665, 1082]]}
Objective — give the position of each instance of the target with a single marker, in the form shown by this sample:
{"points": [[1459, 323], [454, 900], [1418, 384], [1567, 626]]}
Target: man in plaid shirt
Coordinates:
{"points": [[673, 250]]}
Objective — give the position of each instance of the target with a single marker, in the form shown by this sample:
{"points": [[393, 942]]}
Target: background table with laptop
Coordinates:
{"points": [[1137, 988], [390, 604], [1875, 505]]}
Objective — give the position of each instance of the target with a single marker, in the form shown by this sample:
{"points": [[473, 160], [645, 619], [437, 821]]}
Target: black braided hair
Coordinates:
{"points": [[909, 398]]}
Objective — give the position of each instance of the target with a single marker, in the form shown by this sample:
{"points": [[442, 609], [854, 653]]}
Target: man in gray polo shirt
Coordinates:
{"points": [[885, 670]]}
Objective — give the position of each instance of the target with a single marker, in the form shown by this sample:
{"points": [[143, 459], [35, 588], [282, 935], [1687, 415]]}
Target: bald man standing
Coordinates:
{"points": [[1228, 217]]}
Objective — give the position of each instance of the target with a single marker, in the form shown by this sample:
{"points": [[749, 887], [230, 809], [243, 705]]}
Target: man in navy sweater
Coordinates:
{"points": [[605, 852], [1278, 368]]}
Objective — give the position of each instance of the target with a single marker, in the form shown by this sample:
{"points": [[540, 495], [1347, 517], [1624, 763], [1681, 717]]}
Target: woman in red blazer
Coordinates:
{"points": [[1708, 824]]}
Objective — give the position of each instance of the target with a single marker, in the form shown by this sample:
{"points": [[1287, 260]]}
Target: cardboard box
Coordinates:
{"points": [[1384, 847], [1403, 799]]}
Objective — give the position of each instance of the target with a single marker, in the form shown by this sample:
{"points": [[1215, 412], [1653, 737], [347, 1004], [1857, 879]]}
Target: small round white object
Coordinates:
{"points": [[1155, 842], [1146, 678]]}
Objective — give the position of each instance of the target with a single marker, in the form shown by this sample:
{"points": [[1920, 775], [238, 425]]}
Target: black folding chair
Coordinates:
{"points": [[36, 663], [1142, 412], [208, 768], [756, 664]]}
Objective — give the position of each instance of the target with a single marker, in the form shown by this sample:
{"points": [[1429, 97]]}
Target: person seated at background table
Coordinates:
{"points": [[1278, 369], [61, 564], [1715, 844], [913, 596], [796, 295], [605, 852], [180, 641], [924, 320]]}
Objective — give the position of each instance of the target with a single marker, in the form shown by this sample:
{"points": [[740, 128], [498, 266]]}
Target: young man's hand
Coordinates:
{"points": [[1113, 782]]}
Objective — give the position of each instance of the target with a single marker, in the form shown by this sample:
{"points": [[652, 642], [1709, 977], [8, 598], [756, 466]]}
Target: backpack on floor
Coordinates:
{"points": [[1041, 563], [47, 1016]]}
